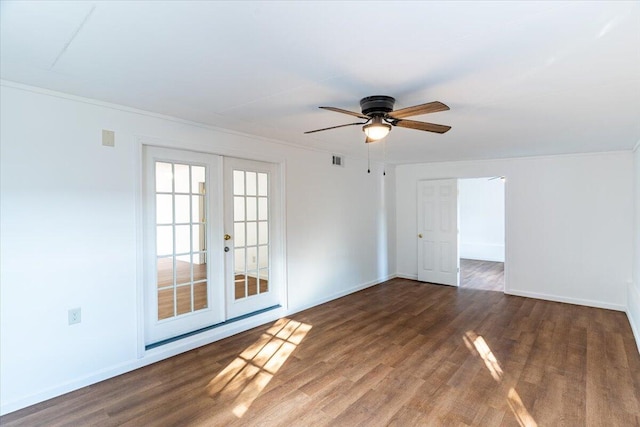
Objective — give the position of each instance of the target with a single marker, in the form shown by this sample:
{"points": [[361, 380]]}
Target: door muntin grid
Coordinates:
{"points": [[181, 246], [251, 230]]}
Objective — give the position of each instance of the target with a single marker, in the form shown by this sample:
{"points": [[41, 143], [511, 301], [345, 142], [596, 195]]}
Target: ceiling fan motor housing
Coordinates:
{"points": [[377, 104]]}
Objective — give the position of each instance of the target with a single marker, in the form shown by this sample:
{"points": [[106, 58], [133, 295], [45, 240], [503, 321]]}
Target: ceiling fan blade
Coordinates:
{"points": [[416, 110], [335, 127], [351, 113], [429, 127]]}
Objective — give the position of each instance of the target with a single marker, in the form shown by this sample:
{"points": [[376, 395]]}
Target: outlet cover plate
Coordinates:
{"points": [[75, 316]]}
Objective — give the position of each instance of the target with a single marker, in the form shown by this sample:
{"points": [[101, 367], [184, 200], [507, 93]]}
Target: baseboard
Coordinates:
{"points": [[173, 349], [407, 276], [341, 294], [151, 356], [557, 298], [633, 312]]}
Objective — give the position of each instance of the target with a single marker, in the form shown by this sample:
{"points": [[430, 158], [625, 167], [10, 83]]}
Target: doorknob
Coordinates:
{"points": [[227, 237], [420, 235]]}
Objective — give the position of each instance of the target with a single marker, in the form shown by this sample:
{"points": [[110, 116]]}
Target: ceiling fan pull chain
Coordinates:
{"points": [[384, 155], [368, 159]]}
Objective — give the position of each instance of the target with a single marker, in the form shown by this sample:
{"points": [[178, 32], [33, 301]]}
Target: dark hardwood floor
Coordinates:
{"points": [[401, 353], [483, 275]]}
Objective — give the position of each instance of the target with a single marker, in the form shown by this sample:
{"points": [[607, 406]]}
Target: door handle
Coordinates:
{"points": [[227, 237], [420, 236]]}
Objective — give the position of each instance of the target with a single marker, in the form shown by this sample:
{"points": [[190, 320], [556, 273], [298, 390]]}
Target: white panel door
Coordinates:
{"points": [[253, 229], [184, 272], [438, 260]]}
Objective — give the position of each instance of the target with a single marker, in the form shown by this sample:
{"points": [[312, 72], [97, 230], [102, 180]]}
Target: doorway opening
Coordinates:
{"points": [[482, 233]]}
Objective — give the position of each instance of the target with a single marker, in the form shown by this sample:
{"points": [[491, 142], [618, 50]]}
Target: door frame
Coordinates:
{"points": [[204, 146], [507, 219]]}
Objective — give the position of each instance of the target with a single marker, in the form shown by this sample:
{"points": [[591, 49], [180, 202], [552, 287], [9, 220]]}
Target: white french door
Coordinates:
{"points": [[438, 260], [190, 281], [183, 209], [252, 224]]}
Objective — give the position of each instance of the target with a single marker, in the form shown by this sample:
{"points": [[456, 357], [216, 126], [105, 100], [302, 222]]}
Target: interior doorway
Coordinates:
{"points": [[482, 233]]}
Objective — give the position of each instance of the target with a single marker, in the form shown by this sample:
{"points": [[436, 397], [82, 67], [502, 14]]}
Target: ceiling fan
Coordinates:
{"points": [[379, 116]]}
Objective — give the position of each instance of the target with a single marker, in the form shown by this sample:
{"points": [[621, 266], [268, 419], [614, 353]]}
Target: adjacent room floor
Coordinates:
{"points": [[401, 353], [483, 275]]}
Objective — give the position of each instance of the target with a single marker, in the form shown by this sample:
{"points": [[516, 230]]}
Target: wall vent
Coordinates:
{"points": [[337, 160]]}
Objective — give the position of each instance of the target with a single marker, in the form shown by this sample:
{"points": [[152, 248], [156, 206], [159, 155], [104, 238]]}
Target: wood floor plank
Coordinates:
{"points": [[401, 353]]}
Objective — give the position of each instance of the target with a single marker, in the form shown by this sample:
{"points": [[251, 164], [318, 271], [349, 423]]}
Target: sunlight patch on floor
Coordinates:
{"points": [[478, 346], [247, 375], [485, 354]]}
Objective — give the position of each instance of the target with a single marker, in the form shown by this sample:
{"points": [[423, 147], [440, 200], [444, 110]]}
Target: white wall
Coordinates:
{"points": [[69, 223], [633, 298], [481, 219], [569, 223]]}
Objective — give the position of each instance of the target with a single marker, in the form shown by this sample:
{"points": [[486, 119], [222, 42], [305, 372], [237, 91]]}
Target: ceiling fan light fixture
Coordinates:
{"points": [[376, 130]]}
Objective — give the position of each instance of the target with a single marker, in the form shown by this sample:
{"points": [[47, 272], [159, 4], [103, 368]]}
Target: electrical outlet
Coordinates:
{"points": [[75, 316]]}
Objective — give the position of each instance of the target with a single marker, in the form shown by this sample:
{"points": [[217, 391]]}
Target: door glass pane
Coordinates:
{"points": [[164, 240], [238, 228], [182, 209], [251, 189], [252, 209], [262, 184], [183, 295], [238, 208], [164, 177], [240, 286], [198, 238], [183, 269], [252, 258], [263, 209], [239, 260], [181, 239], [200, 295], [238, 182], [198, 213], [199, 266], [252, 283], [165, 303], [197, 179], [252, 233], [264, 280], [181, 175], [164, 209], [165, 272], [263, 233], [263, 256]]}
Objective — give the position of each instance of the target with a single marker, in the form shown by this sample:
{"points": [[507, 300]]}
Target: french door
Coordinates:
{"points": [[251, 214], [210, 235]]}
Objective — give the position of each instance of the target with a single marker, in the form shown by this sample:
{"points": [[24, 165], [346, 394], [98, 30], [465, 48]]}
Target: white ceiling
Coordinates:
{"points": [[521, 78]]}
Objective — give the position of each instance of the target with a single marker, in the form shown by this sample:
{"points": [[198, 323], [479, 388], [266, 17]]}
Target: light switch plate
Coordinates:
{"points": [[108, 138]]}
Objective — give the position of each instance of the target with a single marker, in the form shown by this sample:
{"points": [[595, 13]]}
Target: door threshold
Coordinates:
{"points": [[208, 328]]}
